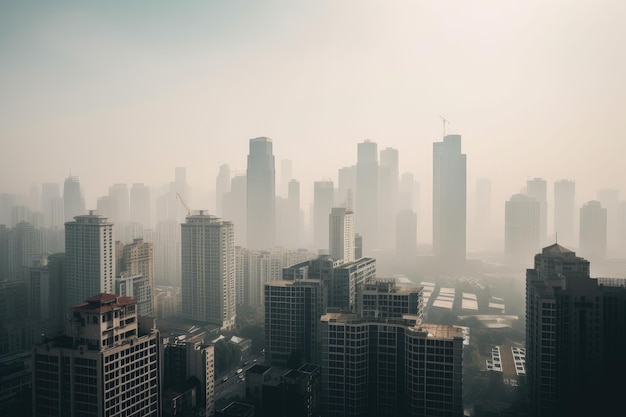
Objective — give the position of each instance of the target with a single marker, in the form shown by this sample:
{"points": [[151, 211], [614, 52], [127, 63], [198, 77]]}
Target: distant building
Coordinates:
{"points": [[261, 195], [141, 205], [388, 183], [323, 197], [366, 207], [522, 222], [208, 270], [107, 364], [73, 202], [537, 189], [137, 258], [565, 211], [341, 234], [593, 230], [449, 202]]}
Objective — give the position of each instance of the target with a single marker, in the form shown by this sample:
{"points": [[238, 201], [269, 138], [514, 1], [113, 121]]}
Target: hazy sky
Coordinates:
{"points": [[126, 91]]}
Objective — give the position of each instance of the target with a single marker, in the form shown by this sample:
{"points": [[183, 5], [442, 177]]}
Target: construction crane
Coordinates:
{"points": [[178, 196], [444, 121]]}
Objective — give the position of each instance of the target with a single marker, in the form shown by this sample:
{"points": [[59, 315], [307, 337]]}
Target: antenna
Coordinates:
{"points": [[444, 121]]}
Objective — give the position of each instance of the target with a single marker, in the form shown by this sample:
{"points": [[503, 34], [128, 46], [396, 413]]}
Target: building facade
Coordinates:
{"points": [[261, 195]]}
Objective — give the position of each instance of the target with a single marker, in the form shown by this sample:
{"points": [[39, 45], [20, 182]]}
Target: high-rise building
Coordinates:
{"points": [[208, 270], [235, 208], [323, 197], [521, 229], [120, 204], [222, 186], [593, 230], [107, 364], [388, 180], [73, 202], [449, 201], [366, 207], [564, 211], [292, 219], [575, 328], [341, 234], [285, 176], [137, 259], [537, 189], [52, 205], [89, 258], [292, 314], [140, 205], [346, 180], [609, 199], [261, 195]]}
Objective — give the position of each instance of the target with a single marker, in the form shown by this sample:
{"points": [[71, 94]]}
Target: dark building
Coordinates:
{"points": [[575, 330], [261, 195]]}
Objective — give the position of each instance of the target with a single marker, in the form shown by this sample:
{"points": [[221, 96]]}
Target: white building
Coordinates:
{"points": [[208, 270], [341, 234]]}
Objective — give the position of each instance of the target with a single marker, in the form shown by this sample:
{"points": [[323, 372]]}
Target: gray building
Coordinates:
{"points": [[261, 195]]}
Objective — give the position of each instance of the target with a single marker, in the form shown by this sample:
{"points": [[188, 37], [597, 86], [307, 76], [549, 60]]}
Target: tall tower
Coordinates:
{"points": [[366, 210], [323, 196], [537, 189], [208, 270], [449, 201], [52, 205], [341, 234], [593, 228], [222, 186], [137, 258], [388, 180], [261, 195], [140, 207], [521, 229], [73, 203], [89, 258], [564, 211]]}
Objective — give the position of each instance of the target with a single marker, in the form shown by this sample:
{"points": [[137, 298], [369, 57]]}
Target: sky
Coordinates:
{"points": [[124, 92]]}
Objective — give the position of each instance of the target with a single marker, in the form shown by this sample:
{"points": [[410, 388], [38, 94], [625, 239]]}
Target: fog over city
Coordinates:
{"points": [[121, 93]]}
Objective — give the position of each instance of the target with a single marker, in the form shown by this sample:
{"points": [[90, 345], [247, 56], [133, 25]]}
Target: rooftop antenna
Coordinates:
{"points": [[444, 121]]}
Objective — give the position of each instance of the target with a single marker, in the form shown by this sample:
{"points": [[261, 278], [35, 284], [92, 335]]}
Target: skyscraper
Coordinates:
{"points": [[575, 328], [323, 197], [222, 186], [106, 365], [521, 229], [341, 234], [537, 189], [564, 211], [449, 201], [366, 207], [73, 203], [140, 205], [208, 270], [285, 176], [261, 195], [235, 208], [346, 180], [609, 199], [89, 258], [593, 230], [388, 180], [52, 205], [137, 258]]}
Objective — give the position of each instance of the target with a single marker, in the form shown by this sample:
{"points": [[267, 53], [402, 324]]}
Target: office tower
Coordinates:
{"points": [[564, 211], [366, 207], [406, 192], [449, 201], [388, 179], [170, 205], [346, 180], [292, 313], [593, 230], [341, 234], [107, 364], [137, 260], [537, 189], [285, 176], [52, 205], [323, 197], [73, 202], [522, 222], [292, 219], [189, 362], [208, 270], [140, 205], [482, 215], [574, 330], [222, 186], [390, 367], [261, 216], [609, 199], [235, 208], [89, 258]]}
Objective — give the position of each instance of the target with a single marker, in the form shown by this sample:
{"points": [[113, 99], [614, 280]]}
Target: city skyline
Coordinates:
{"points": [[511, 78]]}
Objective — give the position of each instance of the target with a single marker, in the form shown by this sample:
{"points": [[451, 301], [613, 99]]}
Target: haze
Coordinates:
{"points": [[118, 92]]}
